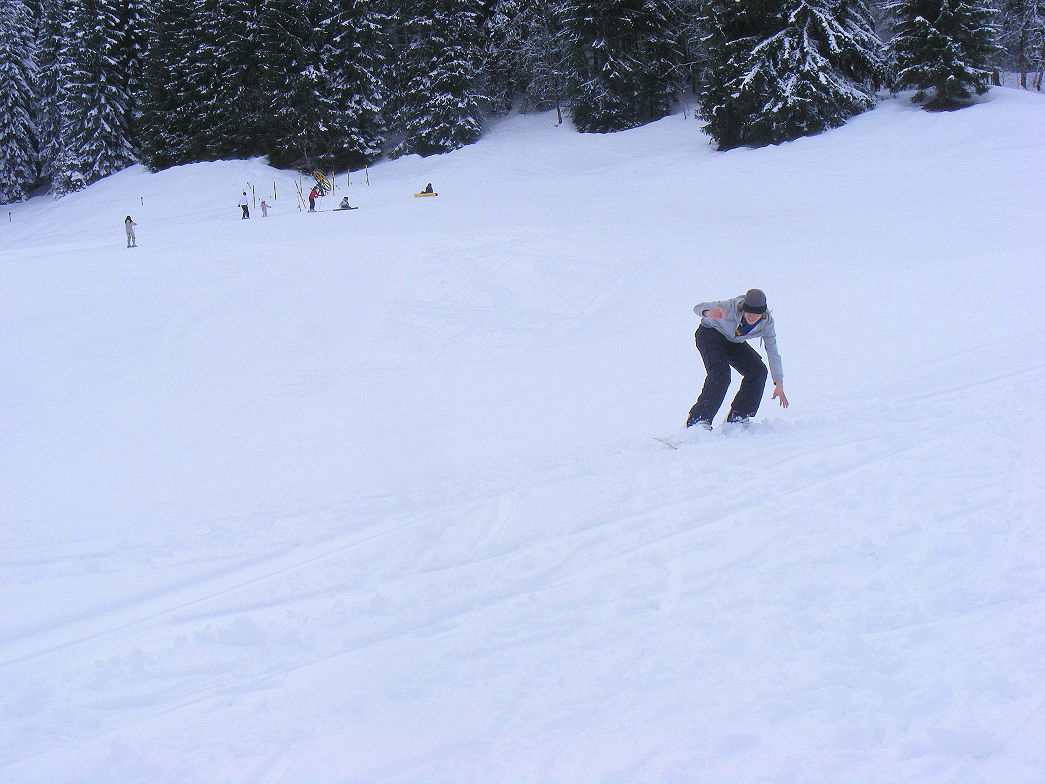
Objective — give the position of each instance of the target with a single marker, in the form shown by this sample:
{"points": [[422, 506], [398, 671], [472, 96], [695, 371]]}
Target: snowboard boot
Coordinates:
{"points": [[701, 423]]}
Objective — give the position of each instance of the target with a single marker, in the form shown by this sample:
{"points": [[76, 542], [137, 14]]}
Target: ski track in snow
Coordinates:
{"points": [[848, 591]]}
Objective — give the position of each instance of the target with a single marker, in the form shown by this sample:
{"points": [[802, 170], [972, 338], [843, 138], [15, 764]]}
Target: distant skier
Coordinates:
{"points": [[129, 225], [724, 328], [312, 196], [244, 205], [264, 209]]}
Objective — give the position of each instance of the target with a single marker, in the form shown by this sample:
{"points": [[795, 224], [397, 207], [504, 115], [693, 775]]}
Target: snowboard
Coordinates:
{"points": [[675, 440], [667, 441]]}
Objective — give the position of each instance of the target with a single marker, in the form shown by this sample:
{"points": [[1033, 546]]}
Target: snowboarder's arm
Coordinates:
{"points": [[715, 310], [776, 367]]}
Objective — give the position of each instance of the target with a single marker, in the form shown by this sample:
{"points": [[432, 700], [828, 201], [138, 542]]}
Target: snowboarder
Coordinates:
{"points": [[243, 203], [721, 340], [264, 209], [344, 205], [129, 225], [428, 189], [312, 196]]}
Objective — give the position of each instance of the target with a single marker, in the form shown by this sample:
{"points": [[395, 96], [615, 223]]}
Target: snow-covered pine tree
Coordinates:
{"points": [[96, 108], [501, 63], [356, 51], [623, 58], [222, 84], [18, 96], [48, 115], [1022, 36], [688, 12], [943, 49], [821, 67], [320, 62], [538, 46], [883, 18], [867, 62], [333, 121], [166, 107], [133, 33], [808, 66], [295, 101], [731, 30], [1037, 58], [439, 101]]}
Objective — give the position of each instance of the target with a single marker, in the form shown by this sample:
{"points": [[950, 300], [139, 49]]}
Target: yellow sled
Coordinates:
{"points": [[321, 180], [421, 195]]}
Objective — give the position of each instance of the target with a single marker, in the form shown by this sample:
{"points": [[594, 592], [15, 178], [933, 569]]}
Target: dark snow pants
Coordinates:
{"points": [[719, 354], [246, 211]]}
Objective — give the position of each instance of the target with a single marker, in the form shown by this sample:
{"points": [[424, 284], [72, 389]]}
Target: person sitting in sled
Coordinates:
{"points": [[428, 189], [725, 328]]}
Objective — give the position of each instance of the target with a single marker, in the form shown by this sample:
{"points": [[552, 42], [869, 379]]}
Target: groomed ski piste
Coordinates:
{"points": [[373, 496]]}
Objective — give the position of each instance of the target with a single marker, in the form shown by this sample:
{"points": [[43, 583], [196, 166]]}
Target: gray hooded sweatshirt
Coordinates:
{"points": [[764, 329]]}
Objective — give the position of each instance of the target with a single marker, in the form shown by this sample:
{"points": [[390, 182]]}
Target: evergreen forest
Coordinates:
{"points": [[88, 87]]}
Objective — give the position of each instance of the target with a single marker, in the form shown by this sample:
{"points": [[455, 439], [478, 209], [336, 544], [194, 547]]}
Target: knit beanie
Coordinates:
{"points": [[754, 301]]}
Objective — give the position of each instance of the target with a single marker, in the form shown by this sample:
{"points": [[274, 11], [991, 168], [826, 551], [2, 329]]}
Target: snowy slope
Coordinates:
{"points": [[371, 496]]}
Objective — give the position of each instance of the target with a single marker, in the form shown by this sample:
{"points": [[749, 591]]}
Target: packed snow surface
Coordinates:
{"points": [[372, 496]]}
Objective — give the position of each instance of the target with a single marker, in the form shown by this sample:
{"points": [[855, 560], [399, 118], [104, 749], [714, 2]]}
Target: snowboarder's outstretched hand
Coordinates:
{"points": [[778, 392], [715, 313]]}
